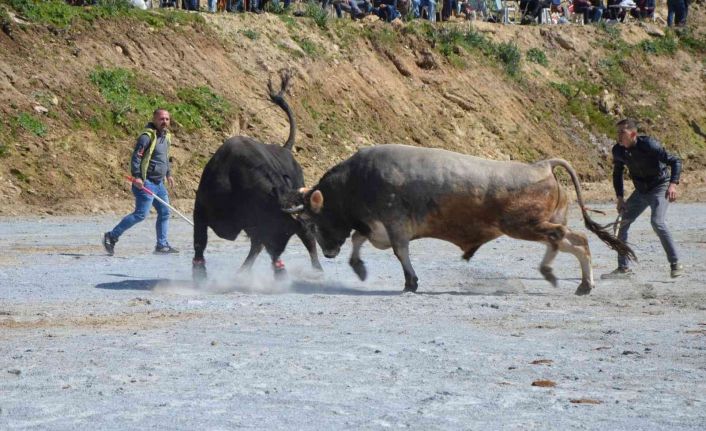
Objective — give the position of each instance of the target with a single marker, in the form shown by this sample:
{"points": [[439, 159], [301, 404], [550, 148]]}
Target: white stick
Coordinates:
{"points": [[151, 193]]}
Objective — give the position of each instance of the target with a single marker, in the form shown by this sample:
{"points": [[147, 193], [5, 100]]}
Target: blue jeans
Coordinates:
{"points": [[418, 5], [143, 202], [636, 204], [676, 9]]}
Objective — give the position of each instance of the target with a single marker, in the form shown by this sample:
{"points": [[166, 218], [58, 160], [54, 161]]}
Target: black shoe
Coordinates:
{"points": [[165, 249], [677, 270], [109, 243]]}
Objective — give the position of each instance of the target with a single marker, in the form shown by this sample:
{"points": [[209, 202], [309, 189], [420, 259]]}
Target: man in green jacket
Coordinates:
{"points": [[150, 168]]}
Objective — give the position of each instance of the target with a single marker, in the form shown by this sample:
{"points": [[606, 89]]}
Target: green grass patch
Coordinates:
{"points": [[288, 20], [276, 7], [4, 146], [612, 30], [60, 14], [130, 106], [666, 45], [380, 36], [510, 55], [450, 41], [308, 46], [695, 43], [250, 34], [536, 55], [313, 113], [564, 89], [574, 88], [20, 175], [590, 115], [318, 14], [613, 71], [582, 107], [31, 124]]}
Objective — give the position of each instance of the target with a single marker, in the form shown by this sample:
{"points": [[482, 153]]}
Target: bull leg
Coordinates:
{"points": [[400, 245], [198, 264], [577, 244], [255, 249], [275, 250], [355, 261], [546, 266], [310, 243]]}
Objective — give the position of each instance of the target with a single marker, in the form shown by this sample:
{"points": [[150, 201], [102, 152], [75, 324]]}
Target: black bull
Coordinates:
{"points": [[392, 194], [243, 187]]}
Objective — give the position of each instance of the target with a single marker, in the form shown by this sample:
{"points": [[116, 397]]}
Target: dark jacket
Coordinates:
{"points": [[647, 162], [158, 166]]}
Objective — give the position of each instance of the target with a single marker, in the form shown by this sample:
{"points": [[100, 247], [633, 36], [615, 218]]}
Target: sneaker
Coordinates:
{"points": [[109, 243], [677, 270], [165, 249], [619, 273]]}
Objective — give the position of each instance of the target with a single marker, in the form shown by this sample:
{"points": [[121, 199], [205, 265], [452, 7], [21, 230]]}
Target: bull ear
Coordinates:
{"points": [[316, 200]]}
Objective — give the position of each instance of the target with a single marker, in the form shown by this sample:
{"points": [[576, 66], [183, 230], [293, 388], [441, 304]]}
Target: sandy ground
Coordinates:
{"points": [[89, 341]]}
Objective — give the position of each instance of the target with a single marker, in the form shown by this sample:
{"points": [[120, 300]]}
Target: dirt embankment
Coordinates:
{"points": [[357, 84]]}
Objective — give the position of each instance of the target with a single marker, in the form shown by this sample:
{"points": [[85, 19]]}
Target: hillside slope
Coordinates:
{"points": [[75, 93]]}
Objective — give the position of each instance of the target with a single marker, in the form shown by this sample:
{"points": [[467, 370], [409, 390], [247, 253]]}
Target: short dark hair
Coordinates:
{"points": [[158, 110], [627, 123]]}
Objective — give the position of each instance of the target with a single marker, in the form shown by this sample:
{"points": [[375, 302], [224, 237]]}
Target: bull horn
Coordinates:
{"points": [[304, 190], [294, 210]]}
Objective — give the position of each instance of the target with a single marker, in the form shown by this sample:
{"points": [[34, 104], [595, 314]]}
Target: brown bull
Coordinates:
{"points": [[392, 194]]}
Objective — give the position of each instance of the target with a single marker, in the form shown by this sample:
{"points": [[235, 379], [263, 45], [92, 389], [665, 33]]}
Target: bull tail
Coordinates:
{"points": [[278, 99], [600, 231]]}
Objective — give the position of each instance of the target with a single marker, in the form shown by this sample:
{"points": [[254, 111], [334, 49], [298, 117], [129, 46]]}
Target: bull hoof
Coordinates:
{"points": [[411, 286], [359, 269], [198, 271], [548, 275], [280, 273], [584, 288]]}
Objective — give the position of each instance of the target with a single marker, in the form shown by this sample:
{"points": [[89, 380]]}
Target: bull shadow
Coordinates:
{"points": [[311, 288], [498, 292], [145, 285]]}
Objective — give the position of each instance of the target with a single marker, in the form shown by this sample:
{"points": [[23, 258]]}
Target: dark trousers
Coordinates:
{"points": [[676, 11], [636, 204]]}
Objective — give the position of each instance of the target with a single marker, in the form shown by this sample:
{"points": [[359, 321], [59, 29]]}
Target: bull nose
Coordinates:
{"points": [[332, 253]]}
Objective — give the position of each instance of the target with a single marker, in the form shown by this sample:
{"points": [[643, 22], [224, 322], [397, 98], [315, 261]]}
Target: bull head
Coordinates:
{"points": [[316, 202], [295, 209]]}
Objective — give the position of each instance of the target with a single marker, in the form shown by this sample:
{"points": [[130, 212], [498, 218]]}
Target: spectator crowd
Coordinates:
{"points": [[526, 11]]}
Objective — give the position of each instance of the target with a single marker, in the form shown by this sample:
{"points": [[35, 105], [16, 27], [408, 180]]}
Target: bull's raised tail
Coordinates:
{"points": [[278, 99], [602, 233]]}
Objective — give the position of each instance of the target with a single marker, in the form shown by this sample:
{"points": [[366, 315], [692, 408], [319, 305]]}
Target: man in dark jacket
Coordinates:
{"points": [[150, 167], [655, 187]]}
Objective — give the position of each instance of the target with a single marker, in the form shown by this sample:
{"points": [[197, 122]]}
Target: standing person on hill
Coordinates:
{"points": [[655, 187], [150, 167]]}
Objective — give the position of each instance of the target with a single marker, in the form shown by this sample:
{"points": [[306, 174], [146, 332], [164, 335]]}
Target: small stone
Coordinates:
{"points": [[39, 109], [565, 43], [544, 383], [14, 371]]}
